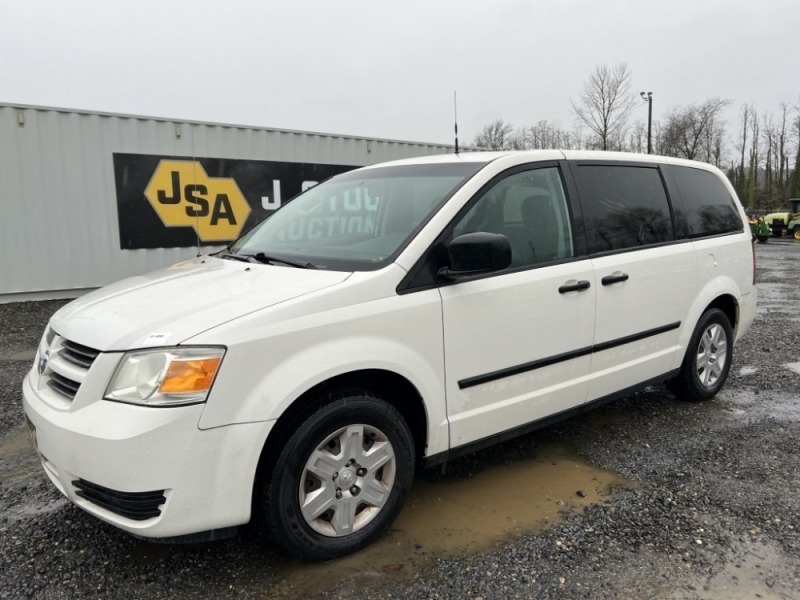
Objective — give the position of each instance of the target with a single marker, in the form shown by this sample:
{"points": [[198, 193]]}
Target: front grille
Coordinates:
{"points": [[68, 365], [137, 506], [83, 356], [63, 385]]}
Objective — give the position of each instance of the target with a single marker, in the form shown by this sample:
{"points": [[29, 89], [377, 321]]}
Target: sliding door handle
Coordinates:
{"points": [[574, 286], [616, 277]]}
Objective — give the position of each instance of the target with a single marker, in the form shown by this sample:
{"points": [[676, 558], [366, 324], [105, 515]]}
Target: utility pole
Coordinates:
{"points": [[648, 97]]}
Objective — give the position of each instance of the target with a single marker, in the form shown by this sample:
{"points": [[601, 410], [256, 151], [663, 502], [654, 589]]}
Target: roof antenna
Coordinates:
{"points": [[455, 113], [194, 177]]}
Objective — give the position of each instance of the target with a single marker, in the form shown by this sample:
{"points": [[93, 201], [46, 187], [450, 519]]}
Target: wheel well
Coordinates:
{"points": [[389, 386], [729, 306]]}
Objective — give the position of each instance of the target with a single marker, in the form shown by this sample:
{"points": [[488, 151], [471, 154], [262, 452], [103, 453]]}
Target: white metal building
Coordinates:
{"points": [[63, 173]]}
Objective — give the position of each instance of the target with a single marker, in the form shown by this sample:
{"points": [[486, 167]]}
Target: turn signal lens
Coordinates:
{"points": [[190, 376], [165, 377]]}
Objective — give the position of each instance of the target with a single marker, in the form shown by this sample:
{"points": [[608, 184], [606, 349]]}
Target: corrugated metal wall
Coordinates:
{"points": [[59, 233]]}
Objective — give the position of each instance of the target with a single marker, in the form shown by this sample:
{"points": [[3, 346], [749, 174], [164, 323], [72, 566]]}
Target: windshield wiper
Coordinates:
{"points": [[260, 257], [233, 256], [268, 260]]}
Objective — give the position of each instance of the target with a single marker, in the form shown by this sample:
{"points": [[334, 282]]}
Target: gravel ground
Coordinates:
{"points": [[709, 506]]}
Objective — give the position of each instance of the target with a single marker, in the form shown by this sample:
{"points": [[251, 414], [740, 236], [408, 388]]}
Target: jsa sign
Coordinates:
{"points": [[166, 201], [183, 195]]}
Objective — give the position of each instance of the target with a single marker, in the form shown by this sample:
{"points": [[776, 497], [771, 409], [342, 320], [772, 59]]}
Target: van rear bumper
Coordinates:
{"points": [[747, 313]]}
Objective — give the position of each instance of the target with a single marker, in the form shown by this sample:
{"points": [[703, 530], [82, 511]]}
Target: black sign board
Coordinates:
{"points": [[170, 201]]}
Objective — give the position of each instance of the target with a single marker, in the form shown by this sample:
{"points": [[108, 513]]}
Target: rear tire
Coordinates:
{"points": [[708, 359], [340, 480]]}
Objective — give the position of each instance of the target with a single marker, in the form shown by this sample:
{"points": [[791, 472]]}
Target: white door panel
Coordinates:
{"points": [[638, 320], [505, 341]]}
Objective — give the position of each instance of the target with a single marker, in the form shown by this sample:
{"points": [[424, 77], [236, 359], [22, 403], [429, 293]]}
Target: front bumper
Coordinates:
{"points": [[205, 477]]}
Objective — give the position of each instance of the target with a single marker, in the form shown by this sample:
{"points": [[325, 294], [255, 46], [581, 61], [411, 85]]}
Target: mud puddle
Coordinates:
{"points": [[753, 571], [455, 517], [794, 367], [474, 504], [17, 442], [752, 408], [747, 370], [775, 297], [446, 515], [18, 465], [34, 509], [24, 355], [18, 459]]}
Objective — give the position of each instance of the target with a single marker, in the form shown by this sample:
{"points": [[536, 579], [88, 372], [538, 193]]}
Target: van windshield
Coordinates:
{"points": [[356, 221]]}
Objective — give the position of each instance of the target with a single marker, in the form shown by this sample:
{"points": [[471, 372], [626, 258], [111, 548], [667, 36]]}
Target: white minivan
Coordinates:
{"points": [[393, 316]]}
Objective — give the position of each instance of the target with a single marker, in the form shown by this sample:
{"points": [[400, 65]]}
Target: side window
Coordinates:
{"points": [[623, 207], [530, 209], [709, 207]]}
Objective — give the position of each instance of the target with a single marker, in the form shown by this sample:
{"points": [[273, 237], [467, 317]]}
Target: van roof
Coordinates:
{"points": [[535, 155]]}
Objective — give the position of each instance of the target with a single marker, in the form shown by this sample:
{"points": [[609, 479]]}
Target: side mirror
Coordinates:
{"points": [[476, 254]]}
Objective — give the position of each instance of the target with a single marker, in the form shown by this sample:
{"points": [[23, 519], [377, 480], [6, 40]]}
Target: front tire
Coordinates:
{"points": [[708, 358], [340, 480]]}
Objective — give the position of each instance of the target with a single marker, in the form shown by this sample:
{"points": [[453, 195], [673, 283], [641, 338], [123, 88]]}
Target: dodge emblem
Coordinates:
{"points": [[43, 361]]}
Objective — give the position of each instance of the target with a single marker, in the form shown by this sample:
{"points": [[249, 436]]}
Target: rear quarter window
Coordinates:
{"points": [[708, 207]]}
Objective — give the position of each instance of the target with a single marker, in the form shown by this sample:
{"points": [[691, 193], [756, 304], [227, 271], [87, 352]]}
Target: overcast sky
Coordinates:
{"points": [[388, 69]]}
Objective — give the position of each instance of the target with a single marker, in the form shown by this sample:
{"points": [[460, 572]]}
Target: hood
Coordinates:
{"points": [[168, 306]]}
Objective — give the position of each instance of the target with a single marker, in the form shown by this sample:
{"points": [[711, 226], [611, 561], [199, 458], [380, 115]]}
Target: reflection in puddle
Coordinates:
{"points": [[755, 571], [793, 367], [749, 406], [453, 517]]}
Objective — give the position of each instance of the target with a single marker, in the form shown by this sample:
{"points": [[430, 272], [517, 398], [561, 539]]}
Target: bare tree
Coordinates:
{"points": [[605, 103], [775, 137], [745, 114], [497, 135], [695, 132], [752, 172], [577, 138], [782, 154], [637, 137], [768, 135], [714, 144], [548, 135], [794, 180]]}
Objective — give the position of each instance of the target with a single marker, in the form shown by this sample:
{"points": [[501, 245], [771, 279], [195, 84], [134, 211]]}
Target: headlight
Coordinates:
{"points": [[166, 377]]}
